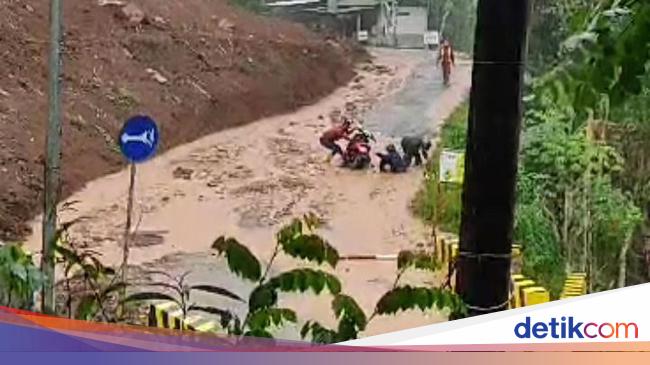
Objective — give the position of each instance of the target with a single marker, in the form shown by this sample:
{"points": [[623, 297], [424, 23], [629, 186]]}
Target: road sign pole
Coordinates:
{"points": [[138, 142], [52, 160], [127, 238], [129, 220]]}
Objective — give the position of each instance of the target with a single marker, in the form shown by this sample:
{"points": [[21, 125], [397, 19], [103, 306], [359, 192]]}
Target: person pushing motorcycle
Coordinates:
{"points": [[447, 59], [357, 153], [333, 135]]}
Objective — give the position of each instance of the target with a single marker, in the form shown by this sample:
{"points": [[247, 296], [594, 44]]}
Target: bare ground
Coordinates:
{"points": [[196, 66]]}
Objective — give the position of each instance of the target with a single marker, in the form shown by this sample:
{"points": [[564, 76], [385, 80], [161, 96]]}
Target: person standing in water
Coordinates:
{"points": [[447, 59]]}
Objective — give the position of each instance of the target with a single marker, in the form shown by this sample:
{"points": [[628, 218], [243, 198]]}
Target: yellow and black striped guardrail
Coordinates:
{"points": [[574, 286], [525, 292], [169, 315], [447, 249]]}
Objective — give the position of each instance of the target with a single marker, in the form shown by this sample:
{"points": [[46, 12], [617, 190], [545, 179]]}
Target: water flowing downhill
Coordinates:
{"points": [[246, 182]]}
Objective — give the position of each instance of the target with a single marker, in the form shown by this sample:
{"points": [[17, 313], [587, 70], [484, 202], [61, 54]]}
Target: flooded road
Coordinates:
{"points": [[247, 182]]}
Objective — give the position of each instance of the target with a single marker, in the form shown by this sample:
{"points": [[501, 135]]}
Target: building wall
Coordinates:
{"points": [[411, 26]]}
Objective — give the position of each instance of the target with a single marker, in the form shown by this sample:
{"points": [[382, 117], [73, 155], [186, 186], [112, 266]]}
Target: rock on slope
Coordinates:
{"points": [[197, 66]]}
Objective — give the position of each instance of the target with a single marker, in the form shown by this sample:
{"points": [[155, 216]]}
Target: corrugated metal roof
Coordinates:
{"points": [[358, 2], [340, 10], [341, 3], [293, 2]]}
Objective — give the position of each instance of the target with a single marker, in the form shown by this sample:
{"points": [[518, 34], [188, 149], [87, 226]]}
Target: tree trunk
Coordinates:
{"points": [[483, 278], [565, 228], [586, 221], [446, 9], [622, 262]]}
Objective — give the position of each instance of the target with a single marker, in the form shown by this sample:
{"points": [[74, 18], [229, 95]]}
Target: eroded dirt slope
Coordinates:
{"points": [[196, 66]]}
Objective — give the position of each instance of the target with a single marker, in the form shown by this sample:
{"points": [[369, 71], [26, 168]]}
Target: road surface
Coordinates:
{"points": [[247, 182]]}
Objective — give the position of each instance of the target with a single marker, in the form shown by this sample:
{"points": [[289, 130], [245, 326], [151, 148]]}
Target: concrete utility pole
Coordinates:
{"points": [[53, 158], [483, 276], [333, 6]]}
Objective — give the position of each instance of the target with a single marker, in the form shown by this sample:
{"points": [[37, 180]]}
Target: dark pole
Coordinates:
{"points": [[483, 275]]}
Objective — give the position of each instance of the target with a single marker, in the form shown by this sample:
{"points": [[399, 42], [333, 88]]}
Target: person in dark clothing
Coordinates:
{"points": [[415, 147], [330, 137], [391, 161]]}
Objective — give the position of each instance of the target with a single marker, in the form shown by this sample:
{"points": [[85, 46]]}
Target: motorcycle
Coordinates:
{"points": [[357, 154]]}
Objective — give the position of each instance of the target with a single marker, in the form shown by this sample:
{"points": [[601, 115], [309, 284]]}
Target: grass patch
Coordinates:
{"points": [[442, 202]]}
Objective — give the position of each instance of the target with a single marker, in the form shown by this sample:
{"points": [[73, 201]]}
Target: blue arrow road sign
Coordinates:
{"points": [[139, 139]]}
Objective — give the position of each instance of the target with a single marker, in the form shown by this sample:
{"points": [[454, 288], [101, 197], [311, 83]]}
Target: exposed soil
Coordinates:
{"points": [[196, 66]]}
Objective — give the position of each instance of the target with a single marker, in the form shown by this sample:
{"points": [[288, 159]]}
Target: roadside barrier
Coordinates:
{"points": [[525, 292], [447, 249], [575, 285], [169, 316]]}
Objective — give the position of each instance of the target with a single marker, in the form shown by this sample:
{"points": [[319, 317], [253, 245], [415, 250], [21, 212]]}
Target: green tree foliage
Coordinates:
{"points": [[578, 193], [616, 219], [407, 297], [601, 68], [534, 225], [241, 260], [604, 64], [455, 19], [552, 22]]}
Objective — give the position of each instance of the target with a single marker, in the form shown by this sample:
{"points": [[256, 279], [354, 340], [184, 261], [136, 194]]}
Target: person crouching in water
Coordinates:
{"points": [[391, 161], [333, 135], [417, 148]]}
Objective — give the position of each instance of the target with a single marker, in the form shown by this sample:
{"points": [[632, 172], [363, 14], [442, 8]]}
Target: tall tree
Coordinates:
{"points": [[495, 117]]}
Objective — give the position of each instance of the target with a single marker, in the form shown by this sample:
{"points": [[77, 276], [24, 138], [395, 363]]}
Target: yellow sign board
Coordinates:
{"points": [[452, 167]]}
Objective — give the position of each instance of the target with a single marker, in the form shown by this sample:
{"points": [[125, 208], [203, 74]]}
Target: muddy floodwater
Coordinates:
{"points": [[247, 182]]}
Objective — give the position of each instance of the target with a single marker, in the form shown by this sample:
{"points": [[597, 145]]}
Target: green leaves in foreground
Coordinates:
{"points": [[301, 280], [218, 291], [264, 296], [298, 280], [351, 318], [408, 297], [241, 260], [265, 318], [319, 334], [145, 296], [418, 260], [87, 308], [296, 243]]}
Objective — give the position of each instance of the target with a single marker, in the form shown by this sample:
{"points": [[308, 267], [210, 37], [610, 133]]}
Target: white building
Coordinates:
{"points": [[383, 21]]}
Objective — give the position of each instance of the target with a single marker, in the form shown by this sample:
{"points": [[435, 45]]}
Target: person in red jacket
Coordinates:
{"points": [[333, 135], [446, 57]]}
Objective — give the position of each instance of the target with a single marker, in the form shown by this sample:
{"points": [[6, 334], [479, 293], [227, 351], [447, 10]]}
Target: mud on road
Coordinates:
{"points": [[247, 182]]}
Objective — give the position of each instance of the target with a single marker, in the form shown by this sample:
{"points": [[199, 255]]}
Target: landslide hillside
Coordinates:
{"points": [[196, 66]]}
